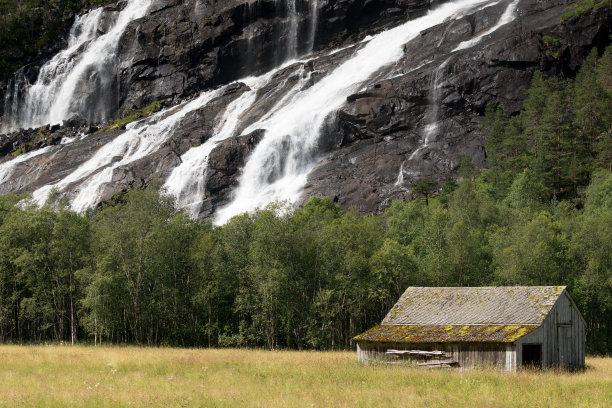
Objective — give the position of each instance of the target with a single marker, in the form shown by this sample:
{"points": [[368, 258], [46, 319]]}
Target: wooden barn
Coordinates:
{"points": [[505, 327]]}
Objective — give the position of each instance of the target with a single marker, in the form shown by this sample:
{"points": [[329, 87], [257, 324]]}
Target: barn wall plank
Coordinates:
{"points": [[468, 355]]}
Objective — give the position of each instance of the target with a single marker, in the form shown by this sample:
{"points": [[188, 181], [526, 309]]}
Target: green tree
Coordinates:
{"points": [[425, 187]]}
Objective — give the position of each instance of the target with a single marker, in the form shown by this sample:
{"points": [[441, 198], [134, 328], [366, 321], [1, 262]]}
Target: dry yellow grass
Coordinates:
{"points": [[51, 376]]}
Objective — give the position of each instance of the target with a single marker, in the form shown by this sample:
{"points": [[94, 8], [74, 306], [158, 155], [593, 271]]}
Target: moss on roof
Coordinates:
{"points": [[446, 333], [508, 305]]}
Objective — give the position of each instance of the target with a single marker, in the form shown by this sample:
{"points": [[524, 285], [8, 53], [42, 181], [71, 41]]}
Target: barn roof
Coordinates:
{"points": [[506, 305], [483, 333], [459, 314]]}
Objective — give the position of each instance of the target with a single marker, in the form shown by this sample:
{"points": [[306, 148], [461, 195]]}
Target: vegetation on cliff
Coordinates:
{"points": [[583, 7], [29, 26]]}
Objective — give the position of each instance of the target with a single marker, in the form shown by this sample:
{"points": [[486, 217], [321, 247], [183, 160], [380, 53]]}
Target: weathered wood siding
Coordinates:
{"points": [[468, 355], [562, 337]]}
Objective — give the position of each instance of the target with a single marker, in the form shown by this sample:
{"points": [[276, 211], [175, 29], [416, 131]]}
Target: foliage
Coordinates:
{"points": [[583, 7], [562, 134], [139, 271], [425, 187], [132, 117], [27, 26]]}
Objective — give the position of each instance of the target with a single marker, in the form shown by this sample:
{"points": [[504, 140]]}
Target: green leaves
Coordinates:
{"points": [[26, 26]]}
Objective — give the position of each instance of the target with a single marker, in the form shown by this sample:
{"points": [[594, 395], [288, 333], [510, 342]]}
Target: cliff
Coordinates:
{"points": [[279, 100]]}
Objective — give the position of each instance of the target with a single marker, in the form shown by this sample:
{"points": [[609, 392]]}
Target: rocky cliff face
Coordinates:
{"points": [[411, 118]]}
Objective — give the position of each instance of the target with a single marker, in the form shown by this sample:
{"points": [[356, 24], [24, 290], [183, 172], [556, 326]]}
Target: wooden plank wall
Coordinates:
{"points": [[562, 336], [468, 355]]}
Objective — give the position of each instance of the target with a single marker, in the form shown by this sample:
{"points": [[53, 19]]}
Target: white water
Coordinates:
{"points": [[187, 181], [431, 129], [314, 21], [508, 16], [87, 66], [400, 177], [11, 102], [141, 139], [278, 168], [8, 168], [292, 34]]}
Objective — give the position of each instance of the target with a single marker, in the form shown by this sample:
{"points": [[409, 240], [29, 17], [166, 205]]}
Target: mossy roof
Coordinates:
{"points": [[446, 333], [505, 305]]}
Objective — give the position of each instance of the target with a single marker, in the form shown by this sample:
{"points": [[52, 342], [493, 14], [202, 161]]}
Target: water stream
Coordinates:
{"points": [[278, 168], [82, 78]]}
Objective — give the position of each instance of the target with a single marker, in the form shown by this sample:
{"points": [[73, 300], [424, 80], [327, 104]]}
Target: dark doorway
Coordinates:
{"points": [[532, 355]]}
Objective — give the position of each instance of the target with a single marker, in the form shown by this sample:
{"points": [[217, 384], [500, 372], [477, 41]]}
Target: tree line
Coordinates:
{"points": [[137, 270]]}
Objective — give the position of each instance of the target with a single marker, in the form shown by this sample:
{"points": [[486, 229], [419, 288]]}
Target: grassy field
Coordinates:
{"points": [[85, 376]]}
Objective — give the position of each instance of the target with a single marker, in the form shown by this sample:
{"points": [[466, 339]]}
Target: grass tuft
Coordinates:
{"points": [[139, 114]]}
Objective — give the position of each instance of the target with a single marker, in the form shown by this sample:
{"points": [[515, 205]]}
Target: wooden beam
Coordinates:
{"points": [[440, 363], [417, 353]]}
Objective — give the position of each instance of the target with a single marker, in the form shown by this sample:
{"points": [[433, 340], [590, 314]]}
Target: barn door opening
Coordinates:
{"points": [[532, 355]]}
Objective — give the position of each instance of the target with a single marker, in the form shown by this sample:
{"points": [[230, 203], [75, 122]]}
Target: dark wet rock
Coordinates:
{"points": [[224, 165], [382, 129], [186, 46]]}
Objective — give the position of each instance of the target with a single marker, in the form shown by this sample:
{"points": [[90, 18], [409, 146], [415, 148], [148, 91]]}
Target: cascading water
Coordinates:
{"points": [[80, 79], [432, 128], [140, 139], [314, 20], [186, 182], [506, 18], [433, 125], [400, 177], [278, 167], [7, 168], [292, 34]]}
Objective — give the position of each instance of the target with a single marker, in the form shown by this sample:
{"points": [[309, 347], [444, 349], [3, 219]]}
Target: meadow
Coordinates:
{"points": [[53, 376]]}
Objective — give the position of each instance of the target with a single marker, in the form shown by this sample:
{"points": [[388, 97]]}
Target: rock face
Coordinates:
{"points": [[183, 47], [413, 119], [380, 130]]}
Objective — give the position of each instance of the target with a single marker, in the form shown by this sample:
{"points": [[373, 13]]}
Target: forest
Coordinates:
{"points": [[136, 270]]}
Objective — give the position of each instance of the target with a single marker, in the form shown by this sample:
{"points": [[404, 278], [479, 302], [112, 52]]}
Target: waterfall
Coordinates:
{"points": [[11, 101], [431, 129], [139, 140], [187, 181], [400, 177], [292, 34], [314, 21], [508, 16], [7, 168], [278, 168], [80, 79]]}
